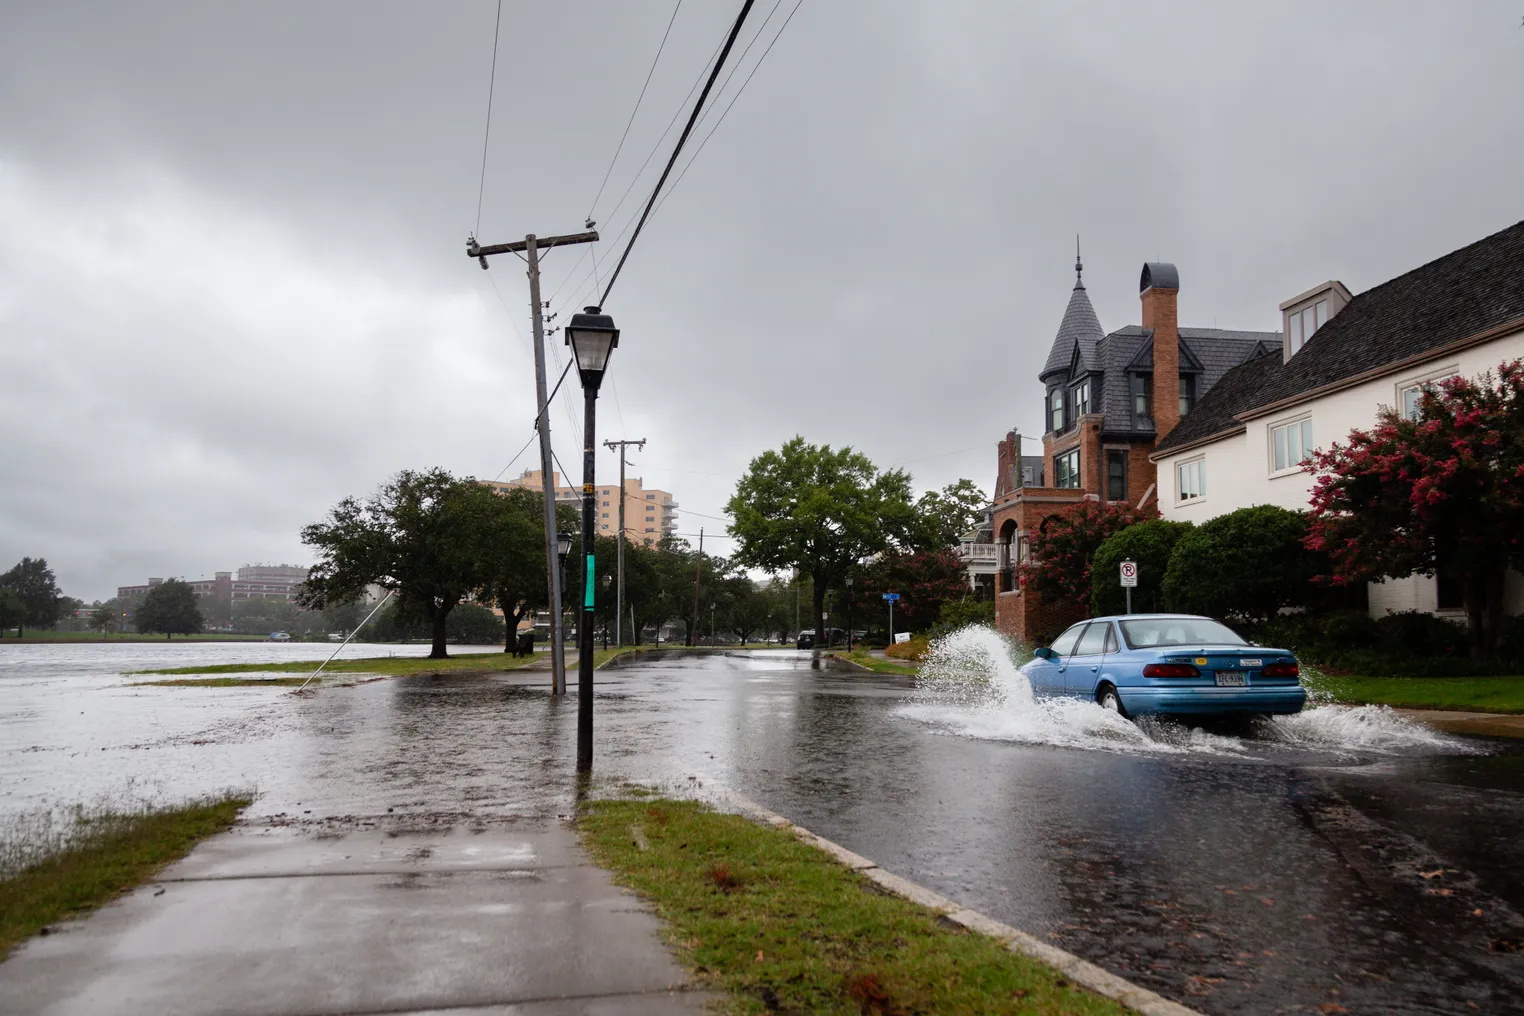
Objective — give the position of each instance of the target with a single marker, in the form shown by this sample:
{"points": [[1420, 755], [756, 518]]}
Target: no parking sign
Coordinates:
{"points": [[1129, 574]]}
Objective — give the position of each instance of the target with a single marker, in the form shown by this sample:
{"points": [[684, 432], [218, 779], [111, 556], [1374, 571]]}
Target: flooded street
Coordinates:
{"points": [[1342, 859]]}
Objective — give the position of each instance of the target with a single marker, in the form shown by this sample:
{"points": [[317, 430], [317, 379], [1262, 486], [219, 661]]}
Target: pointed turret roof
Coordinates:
{"points": [[1079, 328]]}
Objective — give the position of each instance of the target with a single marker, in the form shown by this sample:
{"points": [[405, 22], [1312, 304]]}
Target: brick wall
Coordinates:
{"points": [[1161, 313]]}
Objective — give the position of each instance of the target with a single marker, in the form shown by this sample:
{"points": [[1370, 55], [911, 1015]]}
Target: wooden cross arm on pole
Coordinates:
{"points": [[480, 253]]}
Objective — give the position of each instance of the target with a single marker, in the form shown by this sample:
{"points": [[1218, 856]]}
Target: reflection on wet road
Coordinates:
{"points": [[1260, 874]]}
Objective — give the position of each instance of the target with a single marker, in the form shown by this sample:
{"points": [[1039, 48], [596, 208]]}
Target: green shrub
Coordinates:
{"points": [[956, 614], [1421, 634], [1150, 545], [1243, 566]]}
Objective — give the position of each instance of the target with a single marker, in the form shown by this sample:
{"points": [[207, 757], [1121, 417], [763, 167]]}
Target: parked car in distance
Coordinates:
{"points": [[1173, 664], [279, 636], [834, 637]]}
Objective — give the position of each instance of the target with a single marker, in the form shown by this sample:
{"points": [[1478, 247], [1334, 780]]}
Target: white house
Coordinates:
{"points": [[1342, 358]]}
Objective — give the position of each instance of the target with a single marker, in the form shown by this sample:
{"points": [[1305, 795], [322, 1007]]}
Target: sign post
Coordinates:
{"points": [[1129, 580], [891, 597]]}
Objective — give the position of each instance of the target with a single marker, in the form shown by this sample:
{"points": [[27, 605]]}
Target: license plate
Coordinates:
{"points": [[1232, 678]]}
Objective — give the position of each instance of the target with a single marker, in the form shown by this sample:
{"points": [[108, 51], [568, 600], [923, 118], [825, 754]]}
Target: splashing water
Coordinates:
{"points": [[971, 685]]}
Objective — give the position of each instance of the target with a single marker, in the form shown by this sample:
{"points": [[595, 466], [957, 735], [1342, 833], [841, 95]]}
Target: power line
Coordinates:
{"points": [[487, 134], [677, 150], [631, 121], [699, 151]]}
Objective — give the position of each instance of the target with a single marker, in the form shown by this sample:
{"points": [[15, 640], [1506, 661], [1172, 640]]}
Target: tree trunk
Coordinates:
{"points": [[438, 652], [1483, 599], [688, 626]]}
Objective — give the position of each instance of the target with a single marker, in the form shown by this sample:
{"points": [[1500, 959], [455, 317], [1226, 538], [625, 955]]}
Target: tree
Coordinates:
{"points": [[518, 583], [925, 581], [34, 584], [1063, 549], [428, 536], [942, 517], [1245, 565], [475, 625], [1147, 543], [1444, 491], [818, 510], [12, 610], [170, 607], [103, 618]]}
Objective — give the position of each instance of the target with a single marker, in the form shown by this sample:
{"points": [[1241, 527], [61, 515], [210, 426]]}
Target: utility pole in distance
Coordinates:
{"points": [[619, 593], [698, 572], [530, 246]]}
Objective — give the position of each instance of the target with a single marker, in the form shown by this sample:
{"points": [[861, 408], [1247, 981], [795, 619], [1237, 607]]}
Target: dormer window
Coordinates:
{"points": [[1081, 398], [1187, 394], [1142, 400], [1305, 314]]}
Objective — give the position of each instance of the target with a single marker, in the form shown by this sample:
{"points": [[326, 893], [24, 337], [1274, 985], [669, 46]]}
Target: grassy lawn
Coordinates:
{"points": [[228, 682], [44, 879], [781, 926], [396, 666], [1481, 694], [878, 664], [40, 635]]}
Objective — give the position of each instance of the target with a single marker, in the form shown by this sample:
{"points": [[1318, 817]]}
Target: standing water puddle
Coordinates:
{"points": [[971, 686]]}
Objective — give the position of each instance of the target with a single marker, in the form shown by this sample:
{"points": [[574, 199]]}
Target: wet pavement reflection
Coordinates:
{"points": [[1252, 873]]}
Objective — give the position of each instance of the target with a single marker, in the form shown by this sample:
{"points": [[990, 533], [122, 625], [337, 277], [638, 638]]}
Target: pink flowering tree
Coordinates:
{"points": [[1065, 544], [1408, 496]]}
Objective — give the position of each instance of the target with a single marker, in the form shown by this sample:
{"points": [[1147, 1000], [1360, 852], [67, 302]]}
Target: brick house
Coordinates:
{"points": [[1110, 397]]}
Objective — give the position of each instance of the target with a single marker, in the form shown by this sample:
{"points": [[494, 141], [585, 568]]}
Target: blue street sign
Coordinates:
{"points": [[891, 597]]}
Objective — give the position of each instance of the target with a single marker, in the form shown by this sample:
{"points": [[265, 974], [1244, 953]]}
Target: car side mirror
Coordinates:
{"points": [[1043, 653]]}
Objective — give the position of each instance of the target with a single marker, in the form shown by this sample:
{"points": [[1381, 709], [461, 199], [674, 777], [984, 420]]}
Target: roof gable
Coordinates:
{"points": [[1079, 331]]}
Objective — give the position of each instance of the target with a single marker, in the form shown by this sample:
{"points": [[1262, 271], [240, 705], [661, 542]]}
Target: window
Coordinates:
{"points": [[605, 514], [1192, 479], [1290, 445], [650, 497], [1116, 475], [1302, 323], [1142, 400], [650, 530], [1081, 399], [650, 518], [1093, 642], [1064, 644], [1410, 394], [1066, 468], [605, 504], [1178, 631], [1056, 410], [1187, 393]]}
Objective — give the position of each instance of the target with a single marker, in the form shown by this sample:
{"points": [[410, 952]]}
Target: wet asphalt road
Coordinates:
{"points": [[1252, 876]]}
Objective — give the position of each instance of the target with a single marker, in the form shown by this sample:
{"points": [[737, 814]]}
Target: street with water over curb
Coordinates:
{"points": [[1343, 860]]}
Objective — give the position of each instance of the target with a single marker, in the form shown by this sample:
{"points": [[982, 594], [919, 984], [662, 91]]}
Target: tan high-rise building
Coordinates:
{"points": [[649, 514]]}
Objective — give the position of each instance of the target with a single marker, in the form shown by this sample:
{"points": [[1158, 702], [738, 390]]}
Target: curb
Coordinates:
{"points": [[1080, 971]]}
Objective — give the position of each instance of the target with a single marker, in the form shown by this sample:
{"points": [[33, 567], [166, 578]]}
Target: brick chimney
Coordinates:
{"points": [[1008, 458], [1159, 288]]}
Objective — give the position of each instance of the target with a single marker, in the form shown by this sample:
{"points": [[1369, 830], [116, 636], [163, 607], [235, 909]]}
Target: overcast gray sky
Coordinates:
{"points": [[232, 287]]}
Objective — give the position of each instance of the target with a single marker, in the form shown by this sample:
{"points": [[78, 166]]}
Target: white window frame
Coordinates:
{"points": [[1199, 464], [1296, 421], [1076, 474], [1422, 380]]}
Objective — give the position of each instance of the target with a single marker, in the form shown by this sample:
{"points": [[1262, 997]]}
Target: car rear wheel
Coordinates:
{"points": [[1108, 699]]}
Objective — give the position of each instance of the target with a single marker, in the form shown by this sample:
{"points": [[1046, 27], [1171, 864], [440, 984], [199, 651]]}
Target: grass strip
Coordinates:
{"points": [[226, 682], [106, 854], [878, 664], [397, 665], [1479, 694], [780, 926]]}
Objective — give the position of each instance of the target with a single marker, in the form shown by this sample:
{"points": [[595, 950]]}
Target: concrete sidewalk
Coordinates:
{"points": [[265, 921]]}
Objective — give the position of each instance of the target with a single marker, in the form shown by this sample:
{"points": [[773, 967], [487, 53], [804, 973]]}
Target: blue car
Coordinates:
{"points": [[1175, 664]]}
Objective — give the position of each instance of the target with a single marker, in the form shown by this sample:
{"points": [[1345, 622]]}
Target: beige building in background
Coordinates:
{"points": [[649, 514]]}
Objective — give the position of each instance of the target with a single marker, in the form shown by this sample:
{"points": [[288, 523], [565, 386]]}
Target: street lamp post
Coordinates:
{"points": [[592, 336], [849, 615]]}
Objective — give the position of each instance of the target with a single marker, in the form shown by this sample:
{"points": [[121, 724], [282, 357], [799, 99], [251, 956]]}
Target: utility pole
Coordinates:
{"points": [[619, 593], [698, 571], [531, 245]]}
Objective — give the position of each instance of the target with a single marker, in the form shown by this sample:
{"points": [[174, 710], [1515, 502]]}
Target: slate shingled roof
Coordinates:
{"points": [[1459, 295], [1080, 325], [1208, 353]]}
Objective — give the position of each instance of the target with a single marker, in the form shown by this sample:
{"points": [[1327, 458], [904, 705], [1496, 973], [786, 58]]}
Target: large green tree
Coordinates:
{"points": [[34, 584], [518, 583], [427, 536], [1147, 544], [819, 510], [170, 608], [12, 610], [1443, 491], [943, 516], [1245, 565]]}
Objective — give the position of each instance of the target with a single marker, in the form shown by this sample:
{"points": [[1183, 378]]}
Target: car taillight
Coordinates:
{"points": [[1170, 670], [1282, 670]]}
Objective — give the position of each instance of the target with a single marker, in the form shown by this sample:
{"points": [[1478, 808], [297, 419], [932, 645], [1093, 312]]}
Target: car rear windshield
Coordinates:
{"points": [[1178, 631]]}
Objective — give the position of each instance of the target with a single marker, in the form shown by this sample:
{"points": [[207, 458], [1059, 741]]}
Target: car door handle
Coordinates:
{"points": [[1094, 669]]}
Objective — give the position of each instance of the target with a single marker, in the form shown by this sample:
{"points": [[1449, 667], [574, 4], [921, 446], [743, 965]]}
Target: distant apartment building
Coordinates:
{"points": [[649, 514], [257, 581]]}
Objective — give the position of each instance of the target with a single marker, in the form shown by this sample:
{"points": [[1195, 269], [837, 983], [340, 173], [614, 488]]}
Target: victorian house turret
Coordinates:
{"points": [[1109, 398]]}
